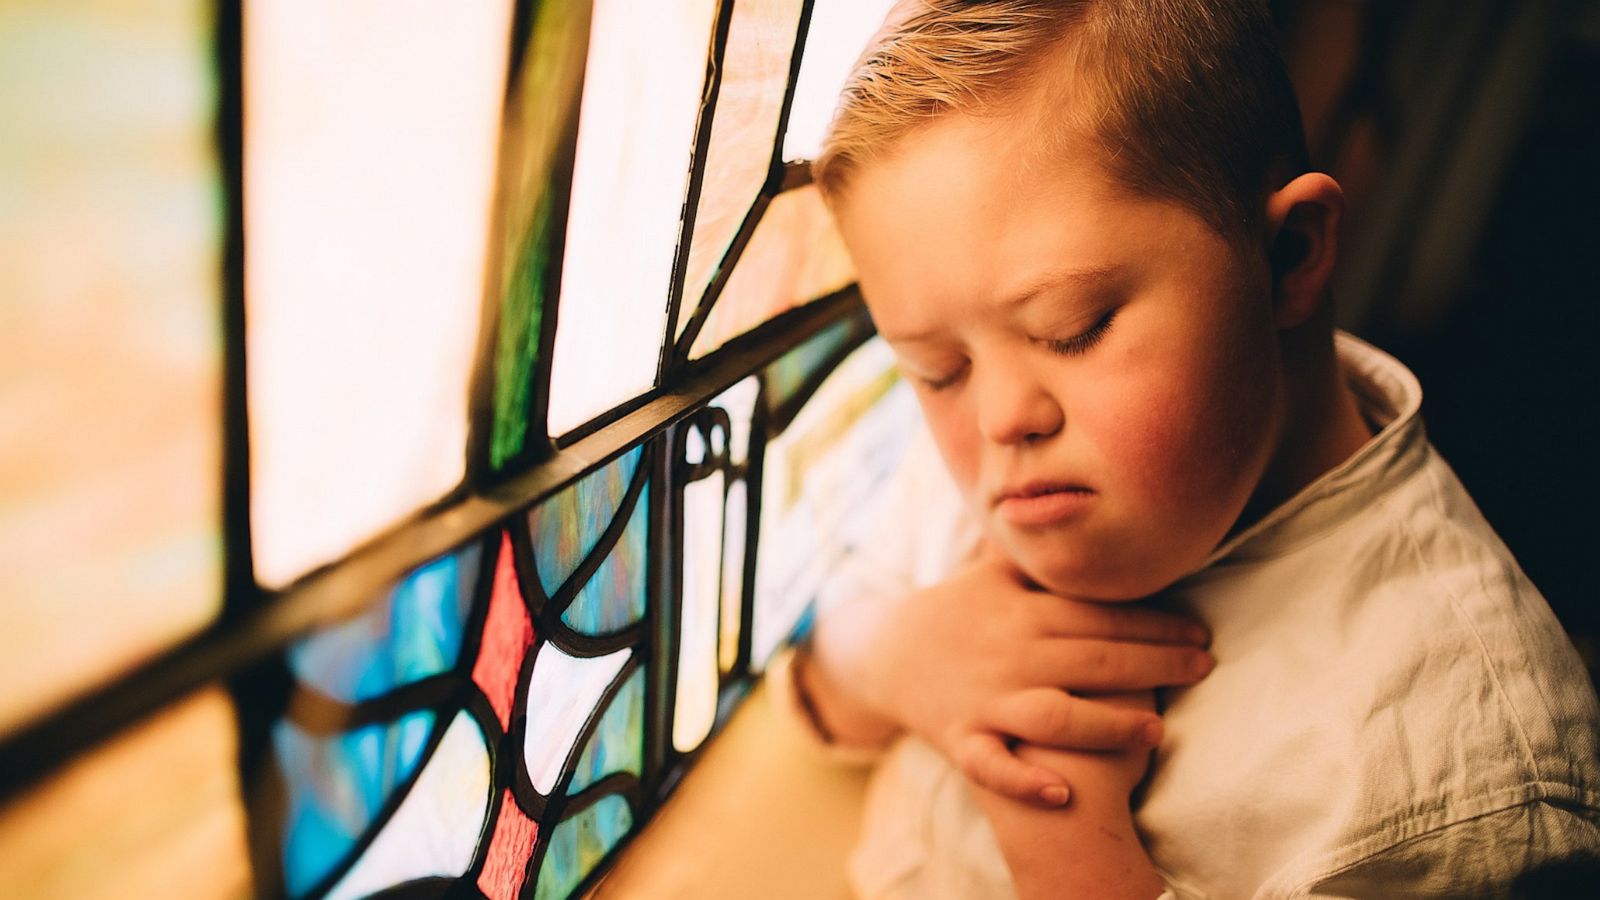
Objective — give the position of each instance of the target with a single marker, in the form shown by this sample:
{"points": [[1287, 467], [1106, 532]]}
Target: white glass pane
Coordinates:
{"points": [[755, 76], [370, 144], [740, 403], [641, 100], [562, 692], [110, 341], [821, 483], [696, 707], [435, 829], [839, 32]]}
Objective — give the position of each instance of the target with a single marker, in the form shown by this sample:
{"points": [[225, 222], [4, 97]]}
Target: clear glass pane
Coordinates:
{"points": [[579, 844], [371, 137], [755, 75], [696, 707], [840, 30], [820, 484], [110, 350], [618, 741], [562, 692], [543, 99], [413, 632], [133, 818], [641, 99], [795, 256], [435, 830]]}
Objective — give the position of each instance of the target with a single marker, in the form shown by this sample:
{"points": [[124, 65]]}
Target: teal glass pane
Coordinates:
{"points": [[618, 741], [537, 137], [566, 527], [578, 845], [336, 786], [613, 598], [414, 632], [789, 372]]}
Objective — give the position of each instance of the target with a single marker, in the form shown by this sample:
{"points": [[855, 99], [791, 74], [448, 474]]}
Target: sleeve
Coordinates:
{"points": [[1538, 849]]}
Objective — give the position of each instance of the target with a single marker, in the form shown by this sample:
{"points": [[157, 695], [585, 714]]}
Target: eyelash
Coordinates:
{"points": [[1078, 345]]}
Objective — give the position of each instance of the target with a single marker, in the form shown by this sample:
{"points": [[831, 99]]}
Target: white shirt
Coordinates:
{"points": [[1395, 710]]}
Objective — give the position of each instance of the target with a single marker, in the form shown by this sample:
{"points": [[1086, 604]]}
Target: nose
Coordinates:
{"points": [[1014, 407]]}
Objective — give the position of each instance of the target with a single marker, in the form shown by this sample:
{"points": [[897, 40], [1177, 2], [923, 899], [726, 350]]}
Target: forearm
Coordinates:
{"points": [[1088, 848]]}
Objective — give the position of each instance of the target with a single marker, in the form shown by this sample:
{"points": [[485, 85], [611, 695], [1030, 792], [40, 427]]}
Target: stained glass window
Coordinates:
{"points": [[545, 368]]}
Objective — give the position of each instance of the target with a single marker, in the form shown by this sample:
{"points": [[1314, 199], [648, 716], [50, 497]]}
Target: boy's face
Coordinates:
{"points": [[1101, 372]]}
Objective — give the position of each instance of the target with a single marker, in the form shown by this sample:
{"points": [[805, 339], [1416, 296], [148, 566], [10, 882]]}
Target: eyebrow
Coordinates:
{"points": [[1080, 278]]}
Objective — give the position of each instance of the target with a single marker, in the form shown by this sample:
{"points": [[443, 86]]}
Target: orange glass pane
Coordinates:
{"points": [[755, 73], [110, 341], [795, 256]]}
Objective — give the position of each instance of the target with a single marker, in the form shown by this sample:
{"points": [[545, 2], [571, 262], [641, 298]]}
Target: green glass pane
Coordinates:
{"points": [[578, 845], [613, 598], [618, 741], [566, 527], [538, 137]]}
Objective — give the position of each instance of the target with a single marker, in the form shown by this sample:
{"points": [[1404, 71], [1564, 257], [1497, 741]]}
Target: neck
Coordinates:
{"points": [[1322, 424]]}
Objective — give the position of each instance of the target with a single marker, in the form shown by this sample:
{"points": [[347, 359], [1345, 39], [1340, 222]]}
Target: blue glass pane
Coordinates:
{"points": [[789, 372], [336, 787], [579, 844], [618, 741], [614, 597], [566, 527], [412, 633]]}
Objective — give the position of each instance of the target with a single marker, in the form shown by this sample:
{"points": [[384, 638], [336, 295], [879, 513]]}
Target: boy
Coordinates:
{"points": [[1089, 232]]}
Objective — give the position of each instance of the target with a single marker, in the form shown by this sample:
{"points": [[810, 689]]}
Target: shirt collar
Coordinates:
{"points": [[1391, 399]]}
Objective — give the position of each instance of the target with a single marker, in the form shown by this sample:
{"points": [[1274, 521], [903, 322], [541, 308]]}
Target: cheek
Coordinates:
{"points": [[956, 435], [1192, 432]]}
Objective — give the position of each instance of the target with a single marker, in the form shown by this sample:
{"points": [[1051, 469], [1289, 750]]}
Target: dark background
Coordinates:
{"points": [[1467, 136]]}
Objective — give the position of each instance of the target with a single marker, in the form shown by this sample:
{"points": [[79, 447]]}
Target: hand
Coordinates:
{"points": [[985, 658]]}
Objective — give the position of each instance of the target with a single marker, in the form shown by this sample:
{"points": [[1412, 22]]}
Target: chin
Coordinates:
{"points": [[1084, 580]]}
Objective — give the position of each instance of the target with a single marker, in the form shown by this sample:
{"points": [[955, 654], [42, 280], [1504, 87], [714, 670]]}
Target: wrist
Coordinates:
{"points": [[834, 713]]}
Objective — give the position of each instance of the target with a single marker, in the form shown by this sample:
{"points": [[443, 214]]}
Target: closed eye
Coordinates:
{"points": [[1079, 344]]}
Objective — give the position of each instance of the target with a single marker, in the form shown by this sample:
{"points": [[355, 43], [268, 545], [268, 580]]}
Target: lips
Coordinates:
{"points": [[1036, 503]]}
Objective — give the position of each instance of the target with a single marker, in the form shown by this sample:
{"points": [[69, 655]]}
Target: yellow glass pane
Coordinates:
{"points": [[755, 74], [641, 99], [795, 256], [370, 141], [110, 349], [154, 813]]}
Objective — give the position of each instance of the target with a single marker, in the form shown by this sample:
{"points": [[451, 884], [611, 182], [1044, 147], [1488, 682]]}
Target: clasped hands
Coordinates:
{"points": [[985, 663]]}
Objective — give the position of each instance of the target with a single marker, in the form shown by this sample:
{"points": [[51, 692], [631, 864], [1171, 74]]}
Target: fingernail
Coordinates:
{"points": [[1151, 733], [1202, 664], [1055, 795], [1199, 635]]}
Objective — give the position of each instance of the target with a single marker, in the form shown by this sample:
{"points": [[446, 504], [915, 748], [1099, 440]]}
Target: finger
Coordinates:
{"points": [[1094, 666], [1052, 718], [986, 761], [1077, 618]]}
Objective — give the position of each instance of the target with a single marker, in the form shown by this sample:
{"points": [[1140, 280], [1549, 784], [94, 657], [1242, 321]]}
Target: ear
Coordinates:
{"points": [[1302, 244]]}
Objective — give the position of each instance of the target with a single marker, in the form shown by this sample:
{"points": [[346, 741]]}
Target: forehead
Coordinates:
{"points": [[969, 209]]}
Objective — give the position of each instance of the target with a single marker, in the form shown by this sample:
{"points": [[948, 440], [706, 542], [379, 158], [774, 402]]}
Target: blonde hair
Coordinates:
{"points": [[1188, 99]]}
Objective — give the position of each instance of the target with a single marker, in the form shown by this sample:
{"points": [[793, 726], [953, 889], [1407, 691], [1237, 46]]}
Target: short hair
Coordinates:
{"points": [[1189, 100]]}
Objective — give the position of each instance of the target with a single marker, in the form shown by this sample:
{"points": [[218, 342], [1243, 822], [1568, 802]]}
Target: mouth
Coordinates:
{"points": [[1038, 503]]}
